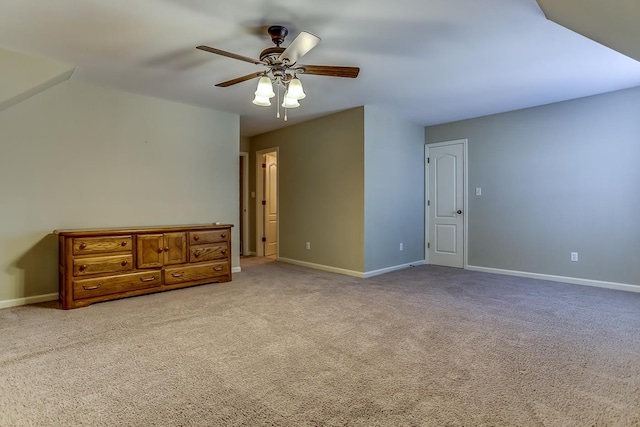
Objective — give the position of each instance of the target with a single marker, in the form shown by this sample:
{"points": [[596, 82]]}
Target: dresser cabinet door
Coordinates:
{"points": [[156, 250], [175, 248], [150, 250]]}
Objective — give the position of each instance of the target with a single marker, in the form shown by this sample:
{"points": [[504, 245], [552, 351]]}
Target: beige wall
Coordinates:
{"points": [[321, 189], [245, 144], [78, 156]]}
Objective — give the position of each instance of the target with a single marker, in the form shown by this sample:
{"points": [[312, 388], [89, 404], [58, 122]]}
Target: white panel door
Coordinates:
{"points": [[271, 206], [446, 205]]}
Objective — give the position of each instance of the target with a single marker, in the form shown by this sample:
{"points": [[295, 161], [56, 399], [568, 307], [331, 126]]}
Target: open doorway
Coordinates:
{"points": [[267, 202]]}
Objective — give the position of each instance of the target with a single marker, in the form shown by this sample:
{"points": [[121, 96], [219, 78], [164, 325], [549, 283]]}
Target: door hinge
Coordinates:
{"points": [[428, 202], [428, 245], [428, 159], [264, 203], [264, 239]]}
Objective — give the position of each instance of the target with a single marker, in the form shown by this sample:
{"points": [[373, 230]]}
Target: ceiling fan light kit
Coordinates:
{"points": [[289, 102], [261, 101], [282, 69], [265, 88], [295, 89]]}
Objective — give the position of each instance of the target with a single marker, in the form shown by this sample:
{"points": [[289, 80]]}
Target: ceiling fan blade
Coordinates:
{"points": [[240, 79], [298, 47], [329, 70], [229, 54]]}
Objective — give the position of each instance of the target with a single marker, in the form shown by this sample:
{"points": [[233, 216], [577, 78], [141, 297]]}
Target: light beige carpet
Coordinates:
{"points": [[282, 345]]}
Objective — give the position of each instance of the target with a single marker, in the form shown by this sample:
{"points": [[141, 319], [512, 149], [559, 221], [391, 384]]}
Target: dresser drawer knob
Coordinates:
{"points": [[91, 288], [125, 262], [196, 237], [196, 254], [124, 243], [160, 250], [217, 268], [83, 267], [83, 245], [148, 279], [166, 249], [224, 251], [223, 235], [178, 274]]}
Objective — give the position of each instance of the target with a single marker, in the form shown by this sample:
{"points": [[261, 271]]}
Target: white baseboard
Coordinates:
{"points": [[28, 300], [323, 267], [352, 273], [563, 279], [236, 269], [392, 268]]}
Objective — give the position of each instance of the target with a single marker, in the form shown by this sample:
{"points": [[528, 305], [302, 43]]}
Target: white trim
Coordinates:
{"points": [[426, 208], [323, 267], [465, 183], [236, 269], [351, 272], [393, 268], [28, 300], [245, 201], [563, 279]]}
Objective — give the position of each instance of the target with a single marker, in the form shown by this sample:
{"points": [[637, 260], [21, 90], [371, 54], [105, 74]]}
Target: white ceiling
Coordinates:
{"points": [[433, 61]]}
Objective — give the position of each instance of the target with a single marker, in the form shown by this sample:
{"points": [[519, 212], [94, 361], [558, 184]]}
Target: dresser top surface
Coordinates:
{"points": [[86, 232]]}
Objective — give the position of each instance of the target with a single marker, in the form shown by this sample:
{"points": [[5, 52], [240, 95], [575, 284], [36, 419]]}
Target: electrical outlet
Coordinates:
{"points": [[308, 245], [478, 191], [574, 256], [401, 246]]}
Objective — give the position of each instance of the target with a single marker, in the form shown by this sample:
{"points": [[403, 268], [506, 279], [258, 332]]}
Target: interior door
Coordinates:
{"points": [[446, 205], [271, 205]]}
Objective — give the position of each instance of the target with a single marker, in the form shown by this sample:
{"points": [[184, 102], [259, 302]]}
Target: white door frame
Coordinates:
{"points": [[244, 156], [466, 197], [259, 198]]}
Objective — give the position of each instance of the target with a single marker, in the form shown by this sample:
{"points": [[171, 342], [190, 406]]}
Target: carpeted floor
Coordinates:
{"points": [[282, 345]]}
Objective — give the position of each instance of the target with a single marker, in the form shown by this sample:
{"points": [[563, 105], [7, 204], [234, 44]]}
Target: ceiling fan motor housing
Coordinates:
{"points": [[271, 54], [277, 33]]}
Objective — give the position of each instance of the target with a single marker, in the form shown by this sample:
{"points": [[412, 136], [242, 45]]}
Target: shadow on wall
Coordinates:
{"points": [[37, 268]]}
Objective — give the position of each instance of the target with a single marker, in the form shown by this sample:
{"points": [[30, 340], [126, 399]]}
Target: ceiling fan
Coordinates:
{"points": [[282, 67]]}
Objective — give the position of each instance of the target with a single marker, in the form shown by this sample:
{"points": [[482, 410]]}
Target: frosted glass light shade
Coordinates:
{"points": [[289, 102], [265, 88], [261, 101], [295, 89]]}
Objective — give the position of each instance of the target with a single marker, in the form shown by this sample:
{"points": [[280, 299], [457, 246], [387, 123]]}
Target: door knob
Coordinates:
{"points": [[459, 212]]}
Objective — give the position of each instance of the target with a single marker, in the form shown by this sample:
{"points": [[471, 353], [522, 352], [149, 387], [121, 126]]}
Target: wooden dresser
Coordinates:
{"points": [[105, 264]]}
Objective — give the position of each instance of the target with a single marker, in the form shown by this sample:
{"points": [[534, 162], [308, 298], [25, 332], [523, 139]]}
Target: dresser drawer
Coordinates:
{"points": [[209, 236], [87, 288], [195, 272], [102, 265], [100, 245], [202, 253]]}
